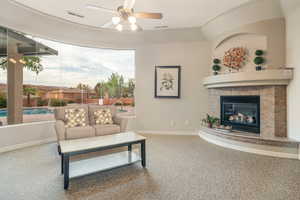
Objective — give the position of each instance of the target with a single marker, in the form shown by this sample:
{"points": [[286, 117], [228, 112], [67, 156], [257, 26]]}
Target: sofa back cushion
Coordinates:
{"points": [[75, 117], [94, 108], [60, 112]]}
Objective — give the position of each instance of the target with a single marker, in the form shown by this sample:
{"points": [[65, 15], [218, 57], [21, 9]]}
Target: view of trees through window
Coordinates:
{"points": [[70, 75]]}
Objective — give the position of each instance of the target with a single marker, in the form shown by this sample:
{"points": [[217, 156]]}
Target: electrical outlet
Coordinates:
{"points": [[172, 123], [186, 122]]}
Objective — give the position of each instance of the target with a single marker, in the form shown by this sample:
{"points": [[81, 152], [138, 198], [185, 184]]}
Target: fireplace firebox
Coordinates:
{"points": [[241, 112]]}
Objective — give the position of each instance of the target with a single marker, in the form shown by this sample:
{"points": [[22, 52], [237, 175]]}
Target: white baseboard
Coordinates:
{"points": [[249, 149], [27, 144], [175, 132]]}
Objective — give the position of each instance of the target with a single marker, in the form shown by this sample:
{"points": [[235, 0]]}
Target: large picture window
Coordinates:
{"points": [[48, 74]]}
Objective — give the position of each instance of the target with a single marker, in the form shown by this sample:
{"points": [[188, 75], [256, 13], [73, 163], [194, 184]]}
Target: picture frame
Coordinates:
{"points": [[167, 82]]}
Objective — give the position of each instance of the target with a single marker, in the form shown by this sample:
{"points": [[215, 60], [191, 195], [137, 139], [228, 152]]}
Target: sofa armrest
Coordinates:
{"points": [[60, 130], [122, 122]]}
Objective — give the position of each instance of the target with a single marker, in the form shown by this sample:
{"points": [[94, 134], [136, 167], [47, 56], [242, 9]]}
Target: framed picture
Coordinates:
{"points": [[167, 81]]}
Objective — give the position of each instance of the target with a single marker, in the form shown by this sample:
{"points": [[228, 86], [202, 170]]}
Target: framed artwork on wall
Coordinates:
{"points": [[167, 82]]}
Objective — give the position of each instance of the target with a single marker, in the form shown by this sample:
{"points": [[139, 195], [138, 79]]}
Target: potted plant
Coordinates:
{"points": [[210, 121], [216, 67], [259, 60]]}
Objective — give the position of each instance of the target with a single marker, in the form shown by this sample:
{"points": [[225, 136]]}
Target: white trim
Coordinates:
{"points": [[175, 132], [27, 144], [248, 149]]}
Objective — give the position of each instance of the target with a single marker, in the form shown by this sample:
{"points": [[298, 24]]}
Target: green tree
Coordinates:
{"points": [[84, 87], [28, 91], [115, 85], [32, 63], [101, 89]]}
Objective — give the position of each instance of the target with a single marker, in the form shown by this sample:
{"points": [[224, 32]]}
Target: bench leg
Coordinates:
{"points": [[143, 153], [66, 159]]}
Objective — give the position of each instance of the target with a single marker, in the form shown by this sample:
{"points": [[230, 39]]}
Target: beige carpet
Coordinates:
{"points": [[179, 167]]}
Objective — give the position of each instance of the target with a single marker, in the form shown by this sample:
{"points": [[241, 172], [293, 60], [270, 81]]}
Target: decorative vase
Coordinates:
{"points": [[258, 68], [215, 73], [210, 125]]}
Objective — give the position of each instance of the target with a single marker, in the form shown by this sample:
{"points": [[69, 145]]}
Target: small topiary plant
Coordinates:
{"points": [[216, 61], [216, 68], [259, 52], [259, 60]]}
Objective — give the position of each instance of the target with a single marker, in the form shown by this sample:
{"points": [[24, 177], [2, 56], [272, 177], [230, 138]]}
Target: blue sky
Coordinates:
{"points": [[76, 64]]}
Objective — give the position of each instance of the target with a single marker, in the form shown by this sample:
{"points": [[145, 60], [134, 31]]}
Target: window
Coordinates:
{"points": [[57, 74]]}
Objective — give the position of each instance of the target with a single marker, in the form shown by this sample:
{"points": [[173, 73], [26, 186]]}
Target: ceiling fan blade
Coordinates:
{"points": [[94, 7], [128, 4], [107, 25], [145, 15]]}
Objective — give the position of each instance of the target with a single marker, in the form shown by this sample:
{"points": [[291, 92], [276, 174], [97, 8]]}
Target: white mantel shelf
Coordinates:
{"points": [[253, 78]]}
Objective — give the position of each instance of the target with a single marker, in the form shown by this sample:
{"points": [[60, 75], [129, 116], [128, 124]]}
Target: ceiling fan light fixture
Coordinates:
{"points": [[133, 27], [132, 19], [119, 27], [116, 20]]}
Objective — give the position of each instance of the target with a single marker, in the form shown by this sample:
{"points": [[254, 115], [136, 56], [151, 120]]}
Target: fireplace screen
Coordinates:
{"points": [[241, 112]]}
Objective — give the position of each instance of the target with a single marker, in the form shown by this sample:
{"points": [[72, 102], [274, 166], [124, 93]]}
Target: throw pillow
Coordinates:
{"points": [[75, 117], [103, 116]]}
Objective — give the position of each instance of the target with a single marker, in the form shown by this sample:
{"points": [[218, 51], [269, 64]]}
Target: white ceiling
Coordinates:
{"points": [[177, 13]]}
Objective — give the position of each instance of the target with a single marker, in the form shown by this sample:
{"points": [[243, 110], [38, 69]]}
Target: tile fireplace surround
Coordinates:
{"points": [[273, 106]]}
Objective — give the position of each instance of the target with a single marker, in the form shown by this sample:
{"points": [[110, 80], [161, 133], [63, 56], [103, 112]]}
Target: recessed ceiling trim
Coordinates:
{"points": [[36, 11], [174, 18], [75, 14]]}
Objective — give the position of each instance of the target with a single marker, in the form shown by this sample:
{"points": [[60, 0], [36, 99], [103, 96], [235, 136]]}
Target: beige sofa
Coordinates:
{"points": [[91, 130]]}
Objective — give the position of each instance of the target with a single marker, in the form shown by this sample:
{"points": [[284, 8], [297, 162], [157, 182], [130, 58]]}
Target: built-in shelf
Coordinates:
{"points": [[251, 78], [102, 163]]}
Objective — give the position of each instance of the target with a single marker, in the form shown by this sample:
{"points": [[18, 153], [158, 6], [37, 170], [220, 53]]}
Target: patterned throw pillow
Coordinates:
{"points": [[103, 116], [75, 117]]}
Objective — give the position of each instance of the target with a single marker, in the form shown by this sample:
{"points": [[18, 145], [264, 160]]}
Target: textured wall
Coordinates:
{"points": [[172, 114], [293, 53], [268, 35]]}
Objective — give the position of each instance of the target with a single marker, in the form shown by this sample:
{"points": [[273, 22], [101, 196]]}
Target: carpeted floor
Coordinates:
{"points": [[178, 167]]}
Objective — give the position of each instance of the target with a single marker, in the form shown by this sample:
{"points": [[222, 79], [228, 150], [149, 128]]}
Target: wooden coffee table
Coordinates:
{"points": [[101, 163]]}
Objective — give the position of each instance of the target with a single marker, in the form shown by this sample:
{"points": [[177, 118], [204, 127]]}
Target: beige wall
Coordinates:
{"points": [[268, 35], [293, 54], [252, 12], [172, 114]]}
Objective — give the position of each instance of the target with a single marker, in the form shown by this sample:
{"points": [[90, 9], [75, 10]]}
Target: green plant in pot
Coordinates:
{"points": [[259, 60], [216, 67], [210, 121]]}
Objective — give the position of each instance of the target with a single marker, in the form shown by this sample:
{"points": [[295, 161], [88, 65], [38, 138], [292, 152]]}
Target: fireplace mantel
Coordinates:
{"points": [[251, 78]]}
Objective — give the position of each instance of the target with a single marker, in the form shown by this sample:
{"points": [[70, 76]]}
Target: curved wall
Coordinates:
{"points": [[268, 35], [254, 11], [293, 53]]}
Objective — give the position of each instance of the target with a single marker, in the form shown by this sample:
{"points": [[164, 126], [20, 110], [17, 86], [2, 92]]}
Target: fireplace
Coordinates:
{"points": [[241, 112]]}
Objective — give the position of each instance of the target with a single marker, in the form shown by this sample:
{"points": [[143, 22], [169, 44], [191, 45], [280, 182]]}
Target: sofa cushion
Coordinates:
{"points": [[103, 116], [60, 112], [80, 132], [107, 129], [93, 108], [75, 117]]}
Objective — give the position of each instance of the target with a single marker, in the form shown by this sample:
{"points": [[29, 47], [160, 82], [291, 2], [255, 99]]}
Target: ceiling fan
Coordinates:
{"points": [[125, 15]]}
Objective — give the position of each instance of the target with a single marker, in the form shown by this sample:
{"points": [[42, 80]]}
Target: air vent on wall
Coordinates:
{"points": [[160, 27], [75, 14]]}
